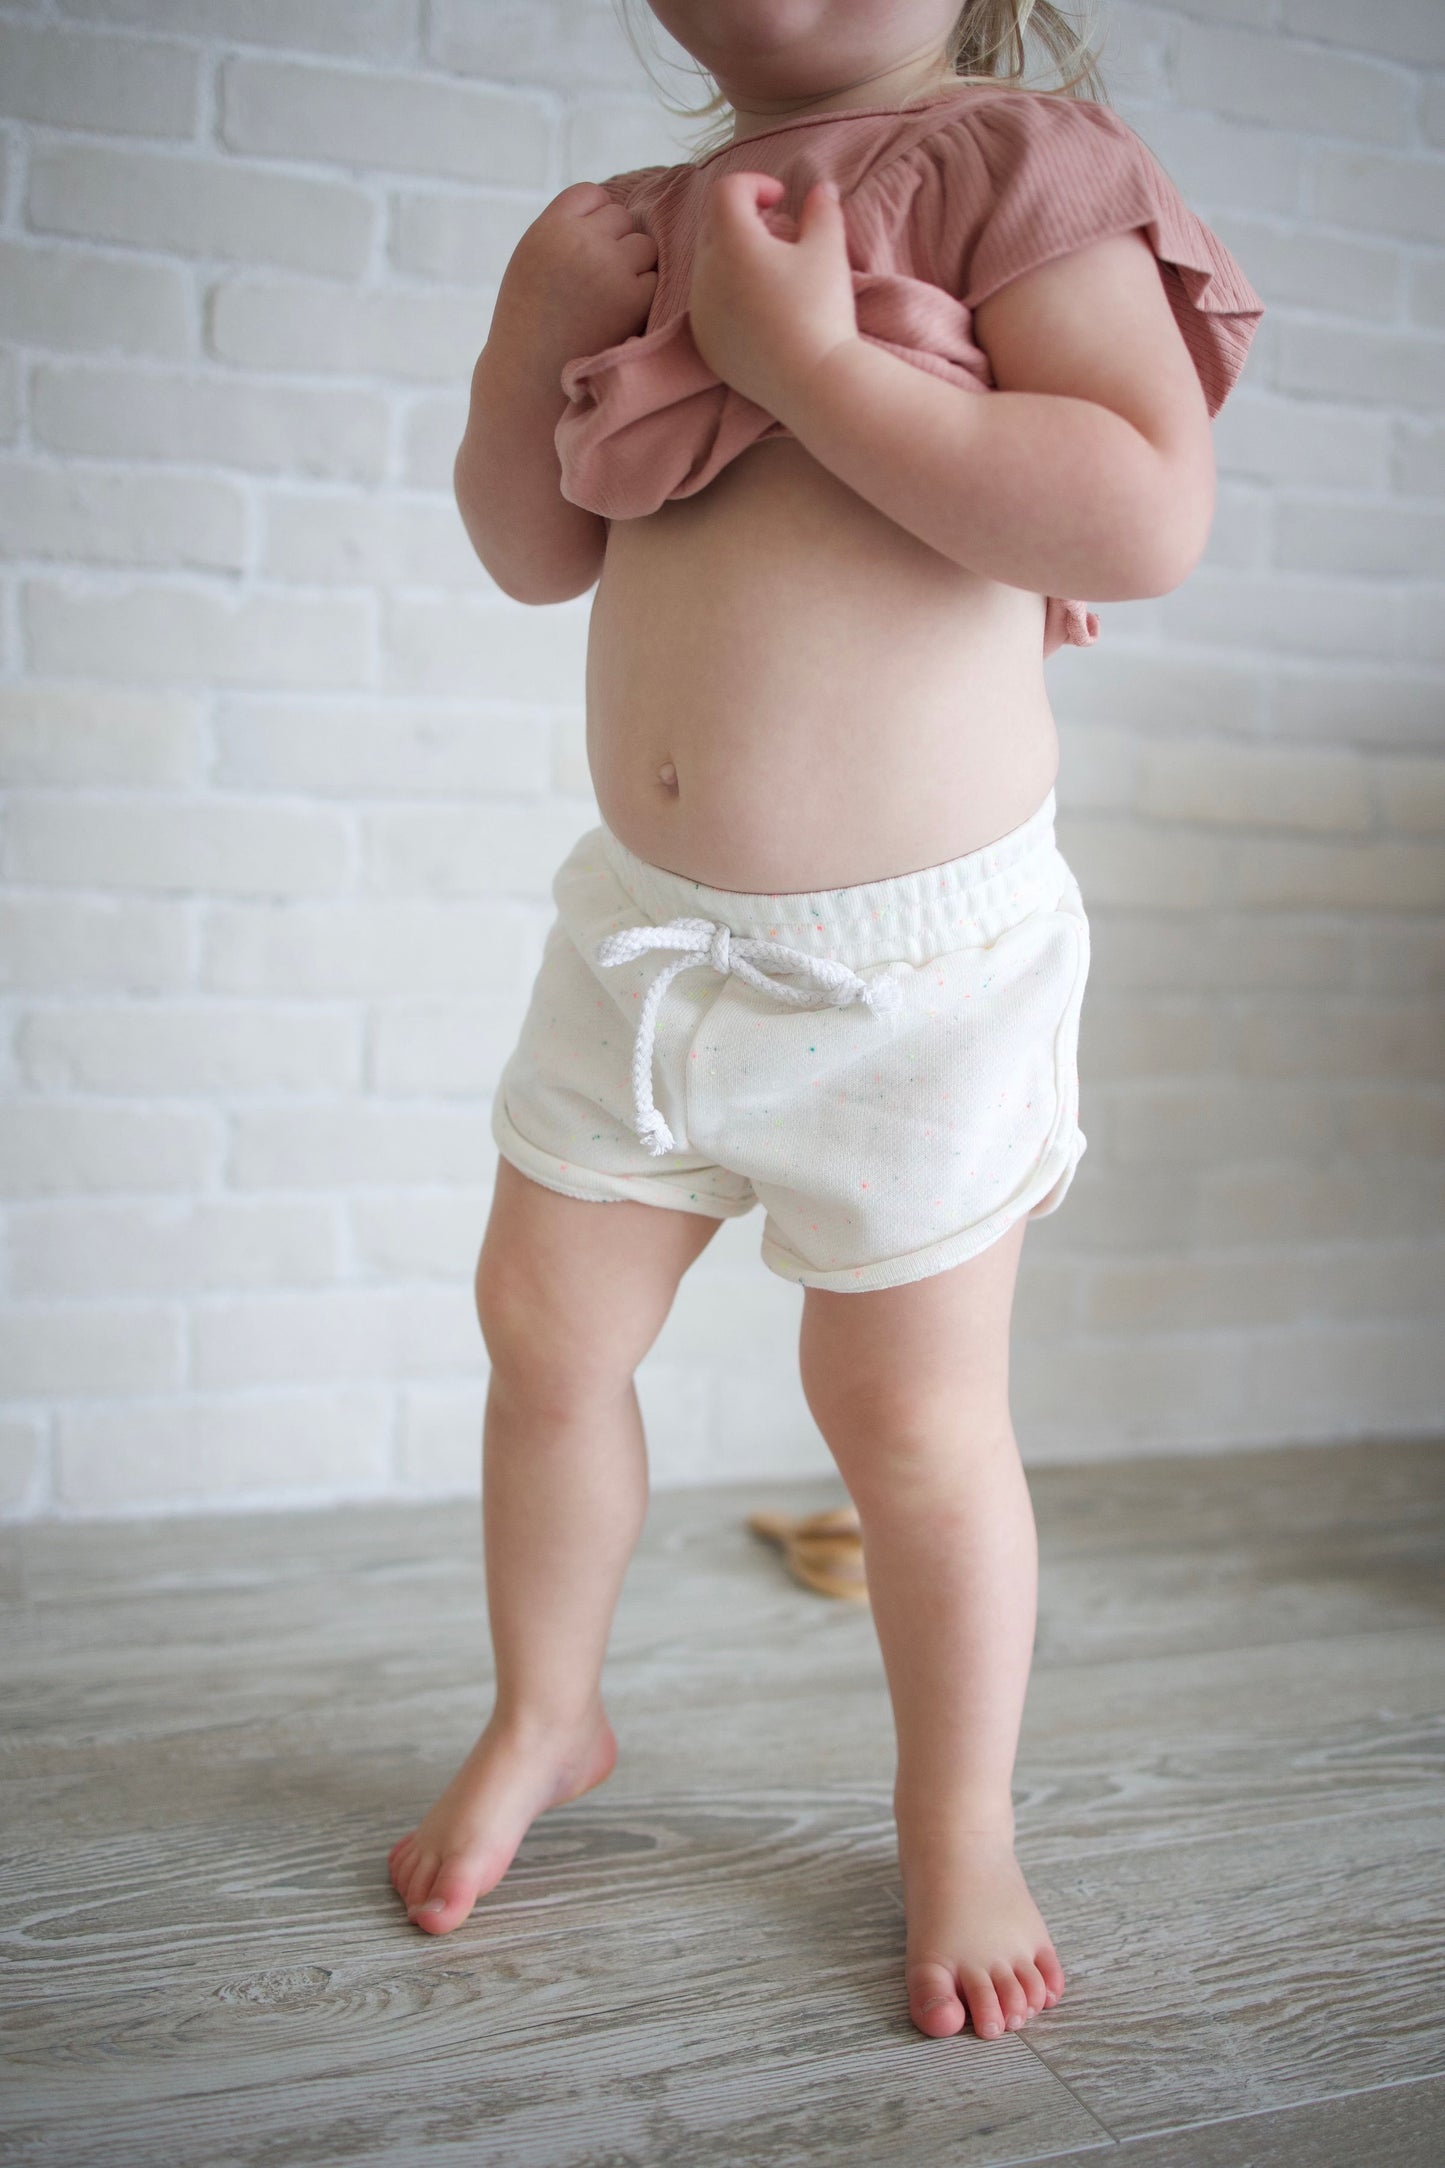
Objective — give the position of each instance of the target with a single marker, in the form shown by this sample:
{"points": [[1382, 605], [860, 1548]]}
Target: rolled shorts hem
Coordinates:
{"points": [[1043, 1196], [590, 1187]]}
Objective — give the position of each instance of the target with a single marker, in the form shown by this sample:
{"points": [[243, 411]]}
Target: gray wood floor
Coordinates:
{"points": [[1229, 1794]]}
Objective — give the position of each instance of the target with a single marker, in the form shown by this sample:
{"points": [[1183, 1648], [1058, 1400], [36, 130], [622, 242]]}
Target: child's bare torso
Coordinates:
{"points": [[839, 702]]}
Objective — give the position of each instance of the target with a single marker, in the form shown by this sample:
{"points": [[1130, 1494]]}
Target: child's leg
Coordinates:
{"points": [[571, 1295], [909, 1386]]}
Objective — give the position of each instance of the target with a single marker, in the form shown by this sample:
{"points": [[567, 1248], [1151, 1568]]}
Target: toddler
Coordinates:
{"points": [[837, 417]]}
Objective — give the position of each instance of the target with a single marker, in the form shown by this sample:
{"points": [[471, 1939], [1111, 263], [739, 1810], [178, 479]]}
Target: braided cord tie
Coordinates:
{"points": [[706, 941]]}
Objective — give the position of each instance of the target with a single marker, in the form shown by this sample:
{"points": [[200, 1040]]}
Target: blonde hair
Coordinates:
{"points": [[985, 45]]}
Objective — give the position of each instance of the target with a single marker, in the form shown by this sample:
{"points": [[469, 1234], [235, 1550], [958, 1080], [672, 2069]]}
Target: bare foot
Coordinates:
{"points": [[977, 1944], [467, 1842]]}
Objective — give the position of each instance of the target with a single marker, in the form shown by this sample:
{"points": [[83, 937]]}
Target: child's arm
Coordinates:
{"points": [[579, 280], [1090, 471], [537, 546]]}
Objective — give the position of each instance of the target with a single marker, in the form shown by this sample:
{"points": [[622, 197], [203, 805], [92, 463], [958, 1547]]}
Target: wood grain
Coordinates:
{"points": [[1229, 1793]]}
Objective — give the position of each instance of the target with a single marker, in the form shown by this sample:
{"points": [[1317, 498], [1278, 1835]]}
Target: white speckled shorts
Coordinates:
{"points": [[891, 1069]]}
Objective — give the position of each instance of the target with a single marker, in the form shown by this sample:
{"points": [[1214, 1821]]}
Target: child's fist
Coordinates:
{"points": [[581, 278], [768, 301]]}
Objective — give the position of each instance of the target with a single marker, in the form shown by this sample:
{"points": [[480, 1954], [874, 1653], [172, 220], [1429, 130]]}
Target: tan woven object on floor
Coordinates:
{"points": [[822, 1550]]}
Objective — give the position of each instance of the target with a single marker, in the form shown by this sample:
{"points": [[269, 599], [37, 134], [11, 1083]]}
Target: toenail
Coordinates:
{"points": [[433, 1904]]}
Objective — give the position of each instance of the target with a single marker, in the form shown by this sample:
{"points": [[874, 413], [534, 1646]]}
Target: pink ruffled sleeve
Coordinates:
{"points": [[1030, 178], [1017, 181]]}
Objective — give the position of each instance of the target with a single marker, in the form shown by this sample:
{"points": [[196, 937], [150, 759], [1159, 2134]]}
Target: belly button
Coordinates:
{"points": [[667, 775]]}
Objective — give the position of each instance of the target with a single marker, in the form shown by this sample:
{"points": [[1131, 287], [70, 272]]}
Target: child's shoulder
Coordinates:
{"points": [[994, 187], [1009, 116], [624, 187], [980, 136], [1036, 147]]}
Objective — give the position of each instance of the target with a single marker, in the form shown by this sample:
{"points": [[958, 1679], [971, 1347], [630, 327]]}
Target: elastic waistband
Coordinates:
{"points": [[963, 902]]}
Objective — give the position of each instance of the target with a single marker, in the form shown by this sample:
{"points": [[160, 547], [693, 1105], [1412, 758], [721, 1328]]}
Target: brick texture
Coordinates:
{"points": [[286, 777]]}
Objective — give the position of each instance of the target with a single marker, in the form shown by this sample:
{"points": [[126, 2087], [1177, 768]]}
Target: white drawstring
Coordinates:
{"points": [[706, 941]]}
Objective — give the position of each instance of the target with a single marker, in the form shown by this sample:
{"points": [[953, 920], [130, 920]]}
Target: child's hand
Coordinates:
{"points": [[764, 311], [580, 278]]}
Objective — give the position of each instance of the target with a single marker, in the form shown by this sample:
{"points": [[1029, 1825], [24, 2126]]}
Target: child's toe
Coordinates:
{"points": [[1011, 1998], [983, 2004], [447, 1902], [933, 2000], [416, 1884]]}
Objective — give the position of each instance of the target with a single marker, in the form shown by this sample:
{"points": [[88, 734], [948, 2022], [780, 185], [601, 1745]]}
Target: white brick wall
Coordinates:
{"points": [[287, 778]]}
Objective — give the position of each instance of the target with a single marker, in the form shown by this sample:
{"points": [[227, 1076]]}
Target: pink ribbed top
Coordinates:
{"points": [[942, 204]]}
